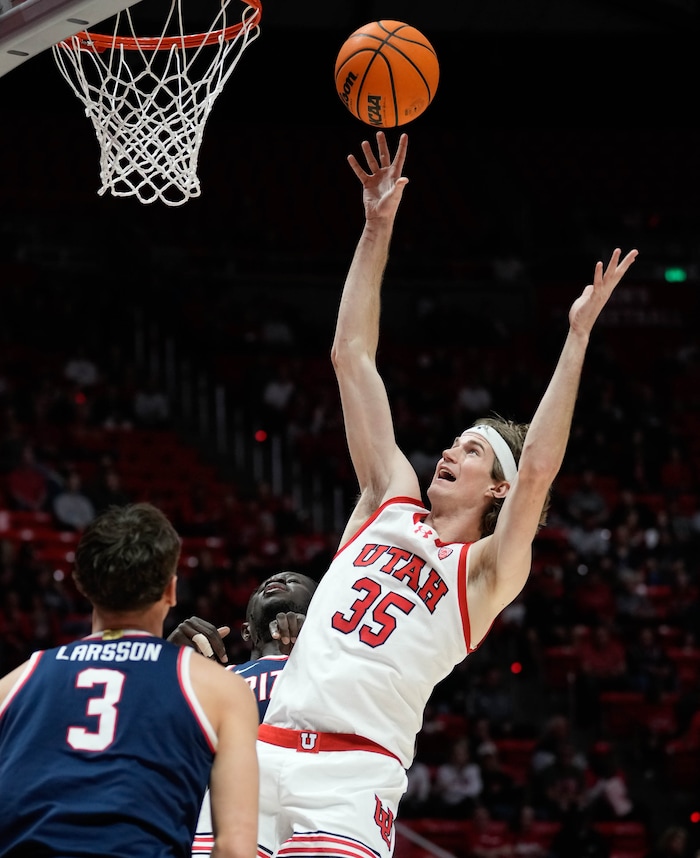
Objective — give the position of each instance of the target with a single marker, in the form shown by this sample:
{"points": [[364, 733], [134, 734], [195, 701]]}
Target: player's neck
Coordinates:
{"points": [[452, 527], [150, 621], [265, 649]]}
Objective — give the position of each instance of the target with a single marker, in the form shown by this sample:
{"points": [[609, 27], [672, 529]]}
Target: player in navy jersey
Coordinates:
{"points": [[107, 744], [274, 616], [413, 589]]}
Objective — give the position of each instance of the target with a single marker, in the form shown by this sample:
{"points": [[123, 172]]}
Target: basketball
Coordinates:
{"points": [[386, 73]]}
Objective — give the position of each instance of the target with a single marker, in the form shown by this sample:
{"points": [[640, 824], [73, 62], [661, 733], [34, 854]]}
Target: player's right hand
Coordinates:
{"points": [[184, 633], [285, 629]]}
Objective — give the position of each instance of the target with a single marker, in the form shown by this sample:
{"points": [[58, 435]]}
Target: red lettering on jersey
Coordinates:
{"points": [[410, 572], [396, 555], [384, 819], [432, 591], [370, 554]]}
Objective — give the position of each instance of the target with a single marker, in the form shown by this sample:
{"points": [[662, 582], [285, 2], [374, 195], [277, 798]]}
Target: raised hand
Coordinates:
{"points": [[382, 182], [586, 308]]}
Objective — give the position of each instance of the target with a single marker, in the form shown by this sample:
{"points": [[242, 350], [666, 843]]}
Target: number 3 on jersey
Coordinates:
{"points": [[378, 606], [103, 707]]}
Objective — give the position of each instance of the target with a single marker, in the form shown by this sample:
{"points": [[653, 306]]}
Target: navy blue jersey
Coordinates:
{"points": [[261, 674], [104, 750]]}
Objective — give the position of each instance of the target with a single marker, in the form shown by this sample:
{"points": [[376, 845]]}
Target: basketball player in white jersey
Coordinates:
{"points": [[412, 590]]}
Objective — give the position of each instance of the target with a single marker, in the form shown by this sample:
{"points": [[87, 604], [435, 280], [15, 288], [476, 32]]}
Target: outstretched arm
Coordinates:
{"points": [[380, 467], [502, 561]]}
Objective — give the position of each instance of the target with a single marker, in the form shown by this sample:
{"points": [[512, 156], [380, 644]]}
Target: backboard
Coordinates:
{"points": [[28, 27]]}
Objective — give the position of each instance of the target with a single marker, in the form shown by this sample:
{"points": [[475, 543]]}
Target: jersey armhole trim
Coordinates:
{"points": [[399, 499], [184, 664], [30, 667]]}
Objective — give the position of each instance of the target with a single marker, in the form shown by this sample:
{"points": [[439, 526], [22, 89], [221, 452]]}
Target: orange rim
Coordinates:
{"points": [[99, 42]]}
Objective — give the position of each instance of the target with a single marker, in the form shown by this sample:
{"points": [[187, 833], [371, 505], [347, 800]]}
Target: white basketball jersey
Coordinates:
{"points": [[388, 621]]}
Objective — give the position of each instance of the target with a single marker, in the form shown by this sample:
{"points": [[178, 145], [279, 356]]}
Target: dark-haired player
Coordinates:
{"points": [[107, 744]]}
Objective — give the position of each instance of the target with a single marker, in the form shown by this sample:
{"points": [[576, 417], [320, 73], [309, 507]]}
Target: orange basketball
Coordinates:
{"points": [[386, 73]]}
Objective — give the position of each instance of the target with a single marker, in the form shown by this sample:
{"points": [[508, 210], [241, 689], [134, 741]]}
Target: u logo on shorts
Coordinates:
{"points": [[308, 742]]}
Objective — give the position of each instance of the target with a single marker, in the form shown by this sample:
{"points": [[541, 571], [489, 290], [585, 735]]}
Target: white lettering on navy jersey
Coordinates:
{"points": [[112, 651]]}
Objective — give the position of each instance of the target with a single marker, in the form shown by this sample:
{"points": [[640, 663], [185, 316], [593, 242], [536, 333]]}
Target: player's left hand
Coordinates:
{"points": [[586, 308], [285, 629]]}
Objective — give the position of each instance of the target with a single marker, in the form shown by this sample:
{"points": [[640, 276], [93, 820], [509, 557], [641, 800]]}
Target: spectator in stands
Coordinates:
{"points": [[527, 841], [635, 609], [81, 369], [555, 731], [630, 504], [54, 594], [277, 396], [684, 602], [107, 490], [500, 793], [678, 472], [72, 508], [28, 484], [637, 467], [491, 698], [45, 624], [457, 784], [201, 512], [578, 838], [590, 540], [603, 667], [650, 668], [594, 594], [673, 842], [151, 405], [689, 739], [488, 838], [560, 787], [586, 503], [113, 407], [608, 797], [417, 800]]}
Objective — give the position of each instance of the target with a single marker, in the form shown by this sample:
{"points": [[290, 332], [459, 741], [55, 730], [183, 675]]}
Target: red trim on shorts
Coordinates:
{"points": [[322, 843], [312, 742]]}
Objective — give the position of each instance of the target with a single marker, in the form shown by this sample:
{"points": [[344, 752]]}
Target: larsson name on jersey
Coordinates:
{"points": [[407, 567], [112, 651]]}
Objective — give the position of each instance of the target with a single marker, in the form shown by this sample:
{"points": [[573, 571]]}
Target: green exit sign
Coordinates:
{"points": [[675, 275]]}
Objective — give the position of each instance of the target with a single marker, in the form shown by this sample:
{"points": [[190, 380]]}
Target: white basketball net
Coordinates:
{"points": [[149, 107]]}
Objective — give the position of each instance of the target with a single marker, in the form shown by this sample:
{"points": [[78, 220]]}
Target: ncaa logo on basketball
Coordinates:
{"points": [[375, 112], [308, 742]]}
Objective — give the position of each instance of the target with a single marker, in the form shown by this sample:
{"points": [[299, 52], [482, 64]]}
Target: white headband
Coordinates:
{"points": [[501, 449]]}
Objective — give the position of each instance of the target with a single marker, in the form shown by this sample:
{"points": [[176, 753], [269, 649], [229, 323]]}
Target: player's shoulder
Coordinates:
{"points": [[224, 689], [211, 671]]}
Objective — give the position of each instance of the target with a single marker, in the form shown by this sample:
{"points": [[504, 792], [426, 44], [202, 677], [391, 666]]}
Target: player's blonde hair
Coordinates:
{"points": [[514, 435]]}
